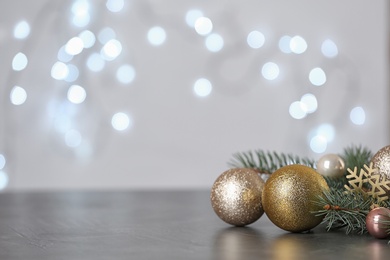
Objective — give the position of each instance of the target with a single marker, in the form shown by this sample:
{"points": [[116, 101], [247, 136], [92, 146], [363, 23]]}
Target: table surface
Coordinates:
{"points": [[156, 225]]}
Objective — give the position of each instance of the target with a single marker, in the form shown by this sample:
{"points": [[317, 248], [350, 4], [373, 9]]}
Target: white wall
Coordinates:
{"points": [[177, 139]]}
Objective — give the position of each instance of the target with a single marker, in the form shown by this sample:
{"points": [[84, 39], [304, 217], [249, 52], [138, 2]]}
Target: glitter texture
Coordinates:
{"points": [[288, 197], [381, 161], [236, 196]]}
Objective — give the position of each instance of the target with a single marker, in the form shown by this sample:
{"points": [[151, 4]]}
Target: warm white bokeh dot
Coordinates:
{"points": [[120, 121], [203, 87], [18, 95]]}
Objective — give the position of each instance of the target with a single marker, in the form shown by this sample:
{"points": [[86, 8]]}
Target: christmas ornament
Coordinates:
{"points": [[381, 161], [377, 188], [374, 222], [288, 197], [236, 196], [331, 165]]}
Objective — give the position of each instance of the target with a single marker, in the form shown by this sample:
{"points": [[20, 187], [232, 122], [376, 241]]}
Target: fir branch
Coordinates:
{"points": [[356, 156], [345, 209], [266, 162]]}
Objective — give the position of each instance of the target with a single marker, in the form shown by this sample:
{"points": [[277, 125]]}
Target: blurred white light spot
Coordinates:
{"points": [[19, 62], [203, 25], [318, 144], [21, 30], [120, 121], [270, 71], [255, 39], [73, 138], [76, 94], [81, 20], [202, 87], [329, 49], [73, 73], [156, 35], [327, 131], [74, 46], [3, 180], [106, 34], [2, 161], [63, 55], [284, 44], [125, 74], [357, 116], [80, 7], [111, 50], [317, 77], [59, 71], [214, 42], [297, 110], [298, 45], [310, 102], [115, 5], [18, 95], [95, 62], [192, 16], [88, 38]]}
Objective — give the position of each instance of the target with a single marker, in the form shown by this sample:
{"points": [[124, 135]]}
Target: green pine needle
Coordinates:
{"points": [[342, 209], [266, 162]]}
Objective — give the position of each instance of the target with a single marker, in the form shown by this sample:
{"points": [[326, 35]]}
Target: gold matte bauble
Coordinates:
{"points": [[331, 165], [236, 196], [288, 197], [381, 161]]}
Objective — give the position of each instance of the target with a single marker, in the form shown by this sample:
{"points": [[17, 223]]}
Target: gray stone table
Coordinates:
{"points": [[156, 225]]}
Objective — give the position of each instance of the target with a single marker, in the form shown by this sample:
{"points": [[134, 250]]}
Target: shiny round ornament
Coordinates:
{"points": [[331, 165], [381, 161], [236, 196], [374, 222], [288, 197]]}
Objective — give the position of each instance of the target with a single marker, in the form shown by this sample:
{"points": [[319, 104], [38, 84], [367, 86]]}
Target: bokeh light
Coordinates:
{"points": [[156, 35], [203, 25], [297, 110], [18, 95], [76, 94], [125, 74], [214, 42], [310, 103], [111, 50], [298, 45], [2, 161], [358, 115], [95, 62], [284, 44], [74, 46], [202, 87], [73, 138], [318, 144], [255, 39], [80, 10], [21, 30], [120, 121], [19, 62], [115, 5], [59, 71], [329, 49], [106, 34], [88, 38], [63, 56], [192, 15], [73, 73], [270, 71], [317, 77], [3, 180]]}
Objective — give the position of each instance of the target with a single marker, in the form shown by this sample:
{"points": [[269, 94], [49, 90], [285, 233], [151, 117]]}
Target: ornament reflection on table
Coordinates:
{"points": [[236, 196]]}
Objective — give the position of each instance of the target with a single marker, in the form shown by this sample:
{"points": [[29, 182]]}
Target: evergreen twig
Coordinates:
{"points": [[345, 209], [266, 162]]}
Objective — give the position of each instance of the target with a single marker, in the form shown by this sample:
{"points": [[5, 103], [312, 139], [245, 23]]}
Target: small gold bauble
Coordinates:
{"points": [[288, 197], [331, 165], [236, 196], [381, 161]]}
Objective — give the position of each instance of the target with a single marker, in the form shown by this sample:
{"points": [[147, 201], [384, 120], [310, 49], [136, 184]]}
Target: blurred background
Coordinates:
{"points": [[148, 94]]}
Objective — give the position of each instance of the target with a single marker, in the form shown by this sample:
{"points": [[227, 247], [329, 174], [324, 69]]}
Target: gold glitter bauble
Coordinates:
{"points": [[381, 161], [236, 196], [331, 165], [288, 197]]}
